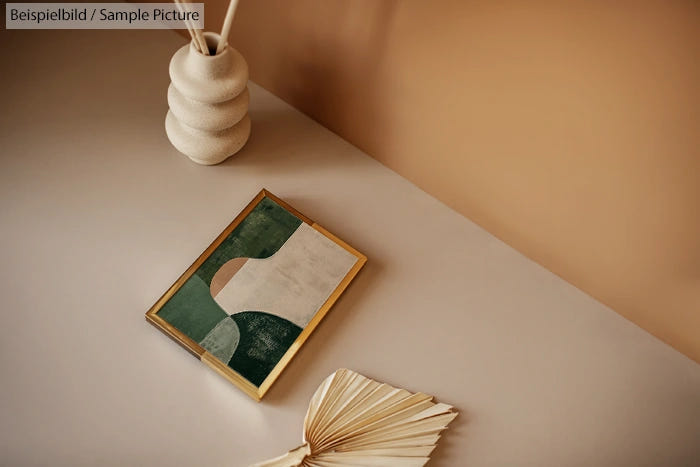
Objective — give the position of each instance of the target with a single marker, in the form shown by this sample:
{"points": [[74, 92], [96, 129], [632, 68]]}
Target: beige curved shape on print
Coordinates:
{"points": [[293, 283], [224, 274]]}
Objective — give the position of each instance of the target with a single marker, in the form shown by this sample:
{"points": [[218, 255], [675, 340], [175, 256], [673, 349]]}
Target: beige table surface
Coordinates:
{"points": [[100, 215]]}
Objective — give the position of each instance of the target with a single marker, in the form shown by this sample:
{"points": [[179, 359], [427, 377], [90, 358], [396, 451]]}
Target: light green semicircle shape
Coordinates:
{"points": [[223, 340]]}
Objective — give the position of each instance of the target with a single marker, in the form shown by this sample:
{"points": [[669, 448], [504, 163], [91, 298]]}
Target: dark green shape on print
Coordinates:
{"points": [[264, 340], [259, 235], [192, 310]]}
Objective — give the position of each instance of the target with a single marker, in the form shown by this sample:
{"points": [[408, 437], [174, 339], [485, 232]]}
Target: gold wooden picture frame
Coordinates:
{"points": [[253, 297]]}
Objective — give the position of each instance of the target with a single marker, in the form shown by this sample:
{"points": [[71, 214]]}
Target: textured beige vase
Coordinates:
{"points": [[208, 99]]}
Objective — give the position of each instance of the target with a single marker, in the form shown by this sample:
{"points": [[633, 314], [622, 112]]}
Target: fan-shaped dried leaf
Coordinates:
{"points": [[355, 421]]}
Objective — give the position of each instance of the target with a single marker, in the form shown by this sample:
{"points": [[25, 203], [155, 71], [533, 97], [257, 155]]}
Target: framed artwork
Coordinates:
{"points": [[254, 296]]}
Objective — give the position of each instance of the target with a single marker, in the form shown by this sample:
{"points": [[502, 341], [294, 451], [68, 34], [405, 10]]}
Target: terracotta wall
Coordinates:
{"points": [[568, 129]]}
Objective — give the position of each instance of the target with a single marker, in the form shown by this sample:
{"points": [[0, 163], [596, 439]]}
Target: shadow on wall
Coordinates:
{"points": [[329, 69]]}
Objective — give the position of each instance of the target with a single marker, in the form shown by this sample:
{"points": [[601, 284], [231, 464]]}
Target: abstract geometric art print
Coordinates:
{"points": [[254, 296]]}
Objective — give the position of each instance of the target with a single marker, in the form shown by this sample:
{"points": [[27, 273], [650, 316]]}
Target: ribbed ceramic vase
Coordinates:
{"points": [[208, 99]]}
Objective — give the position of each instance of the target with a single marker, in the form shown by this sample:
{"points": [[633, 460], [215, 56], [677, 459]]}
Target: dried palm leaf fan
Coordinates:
{"points": [[355, 421]]}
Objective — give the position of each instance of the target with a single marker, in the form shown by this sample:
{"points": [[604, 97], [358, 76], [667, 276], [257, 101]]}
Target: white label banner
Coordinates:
{"points": [[104, 15]]}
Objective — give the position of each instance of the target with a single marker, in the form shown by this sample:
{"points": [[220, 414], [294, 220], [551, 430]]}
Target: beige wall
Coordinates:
{"points": [[567, 129]]}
